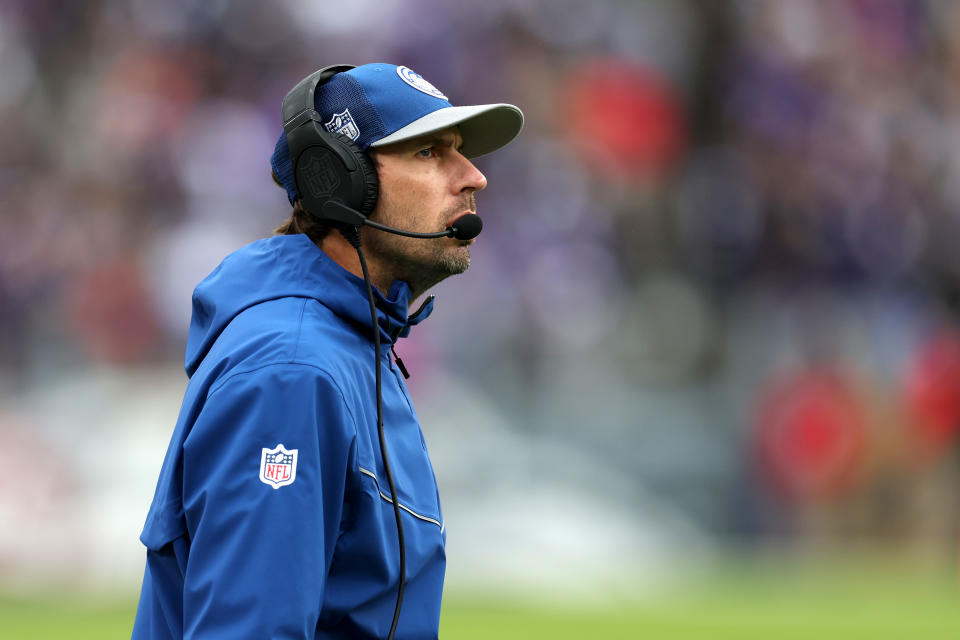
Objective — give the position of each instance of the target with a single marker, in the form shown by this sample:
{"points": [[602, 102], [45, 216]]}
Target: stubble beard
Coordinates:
{"points": [[421, 263]]}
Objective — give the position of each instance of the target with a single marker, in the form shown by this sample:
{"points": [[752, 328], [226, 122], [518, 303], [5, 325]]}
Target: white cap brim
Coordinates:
{"points": [[484, 128]]}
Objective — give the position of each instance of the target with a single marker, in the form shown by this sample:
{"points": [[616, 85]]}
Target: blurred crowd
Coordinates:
{"points": [[718, 263]]}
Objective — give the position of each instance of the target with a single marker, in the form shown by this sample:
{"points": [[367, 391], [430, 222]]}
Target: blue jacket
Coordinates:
{"points": [[246, 539]]}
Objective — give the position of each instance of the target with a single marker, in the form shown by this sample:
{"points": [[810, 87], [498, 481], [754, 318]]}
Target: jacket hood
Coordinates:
{"points": [[290, 266]]}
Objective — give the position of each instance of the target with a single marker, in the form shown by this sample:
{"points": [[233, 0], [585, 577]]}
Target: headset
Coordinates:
{"points": [[337, 184], [336, 179], [327, 167]]}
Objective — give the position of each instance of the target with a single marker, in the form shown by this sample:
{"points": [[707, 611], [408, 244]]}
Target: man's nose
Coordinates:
{"points": [[469, 176]]}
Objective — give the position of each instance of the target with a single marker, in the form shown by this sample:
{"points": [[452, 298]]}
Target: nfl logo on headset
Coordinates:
{"points": [[278, 466], [343, 124], [318, 175]]}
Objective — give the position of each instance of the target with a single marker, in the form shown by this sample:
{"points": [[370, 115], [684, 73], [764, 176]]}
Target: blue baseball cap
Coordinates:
{"points": [[379, 104]]}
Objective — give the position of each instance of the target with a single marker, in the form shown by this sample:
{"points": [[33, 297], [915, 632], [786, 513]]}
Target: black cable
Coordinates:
{"points": [[353, 237]]}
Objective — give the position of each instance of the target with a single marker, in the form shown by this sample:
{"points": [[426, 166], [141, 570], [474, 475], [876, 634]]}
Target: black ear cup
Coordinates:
{"points": [[332, 167]]}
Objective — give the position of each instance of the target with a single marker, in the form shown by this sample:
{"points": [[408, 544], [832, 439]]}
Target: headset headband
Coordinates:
{"points": [[299, 105]]}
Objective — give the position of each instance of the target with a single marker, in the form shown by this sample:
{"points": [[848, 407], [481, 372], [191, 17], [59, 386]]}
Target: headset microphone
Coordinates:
{"points": [[466, 227]]}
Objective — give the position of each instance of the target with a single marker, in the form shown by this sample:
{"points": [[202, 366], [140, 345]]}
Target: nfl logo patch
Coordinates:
{"points": [[343, 124], [278, 466]]}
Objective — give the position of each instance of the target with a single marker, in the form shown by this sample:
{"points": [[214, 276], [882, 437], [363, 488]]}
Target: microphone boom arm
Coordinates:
{"points": [[410, 234], [337, 212]]}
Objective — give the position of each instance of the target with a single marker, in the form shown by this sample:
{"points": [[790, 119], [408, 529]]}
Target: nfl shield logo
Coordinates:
{"points": [[318, 175], [343, 124], [278, 467]]}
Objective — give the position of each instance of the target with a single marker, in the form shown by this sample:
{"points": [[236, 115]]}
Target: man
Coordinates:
{"points": [[272, 516]]}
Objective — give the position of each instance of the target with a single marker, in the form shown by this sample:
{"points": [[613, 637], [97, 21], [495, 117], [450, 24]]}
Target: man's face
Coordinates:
{"points": [[425, 184]]}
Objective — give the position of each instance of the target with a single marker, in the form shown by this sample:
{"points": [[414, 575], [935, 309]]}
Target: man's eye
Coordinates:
{"points": [[425, 153]]}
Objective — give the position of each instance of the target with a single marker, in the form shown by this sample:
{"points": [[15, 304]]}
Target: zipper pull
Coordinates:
{"points": [[403, 369]]}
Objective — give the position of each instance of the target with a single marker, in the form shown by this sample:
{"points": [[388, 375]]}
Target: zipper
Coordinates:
{"points": [[396, 334]]}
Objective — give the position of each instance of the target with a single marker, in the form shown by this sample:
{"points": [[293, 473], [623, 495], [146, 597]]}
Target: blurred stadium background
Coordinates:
{"points": [[703, 377]]}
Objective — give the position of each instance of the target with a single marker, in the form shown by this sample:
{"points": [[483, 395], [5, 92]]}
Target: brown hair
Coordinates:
{"points": [[302, 222]]}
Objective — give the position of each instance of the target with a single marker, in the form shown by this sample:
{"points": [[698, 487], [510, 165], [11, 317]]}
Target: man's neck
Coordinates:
{"points": [[342, 252]]}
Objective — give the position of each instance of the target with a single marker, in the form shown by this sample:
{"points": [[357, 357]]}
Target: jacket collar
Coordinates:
{"points": [[292, 266], [349, 300]]}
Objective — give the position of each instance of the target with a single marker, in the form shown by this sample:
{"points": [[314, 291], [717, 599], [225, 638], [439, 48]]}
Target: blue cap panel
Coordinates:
{"points": [[283, 167], [343, 96], [397, 102]]}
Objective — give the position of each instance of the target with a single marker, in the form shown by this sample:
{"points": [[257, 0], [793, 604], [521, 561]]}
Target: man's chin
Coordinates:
{"points": [[454, 261]]}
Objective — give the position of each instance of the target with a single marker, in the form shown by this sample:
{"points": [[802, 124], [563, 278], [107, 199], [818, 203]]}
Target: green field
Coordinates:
{"points": [[867, 603]]}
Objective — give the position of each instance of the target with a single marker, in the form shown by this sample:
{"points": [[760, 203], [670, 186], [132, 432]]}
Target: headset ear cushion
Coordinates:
{"points": [[371, 182]]}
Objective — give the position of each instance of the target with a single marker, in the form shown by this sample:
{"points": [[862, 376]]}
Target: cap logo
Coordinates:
{"points": [[343, 124], [416, 81], [278, 466]]}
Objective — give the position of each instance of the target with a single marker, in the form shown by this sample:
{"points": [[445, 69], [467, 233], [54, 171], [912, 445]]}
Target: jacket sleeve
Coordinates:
{"points": [[261, 550]]}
